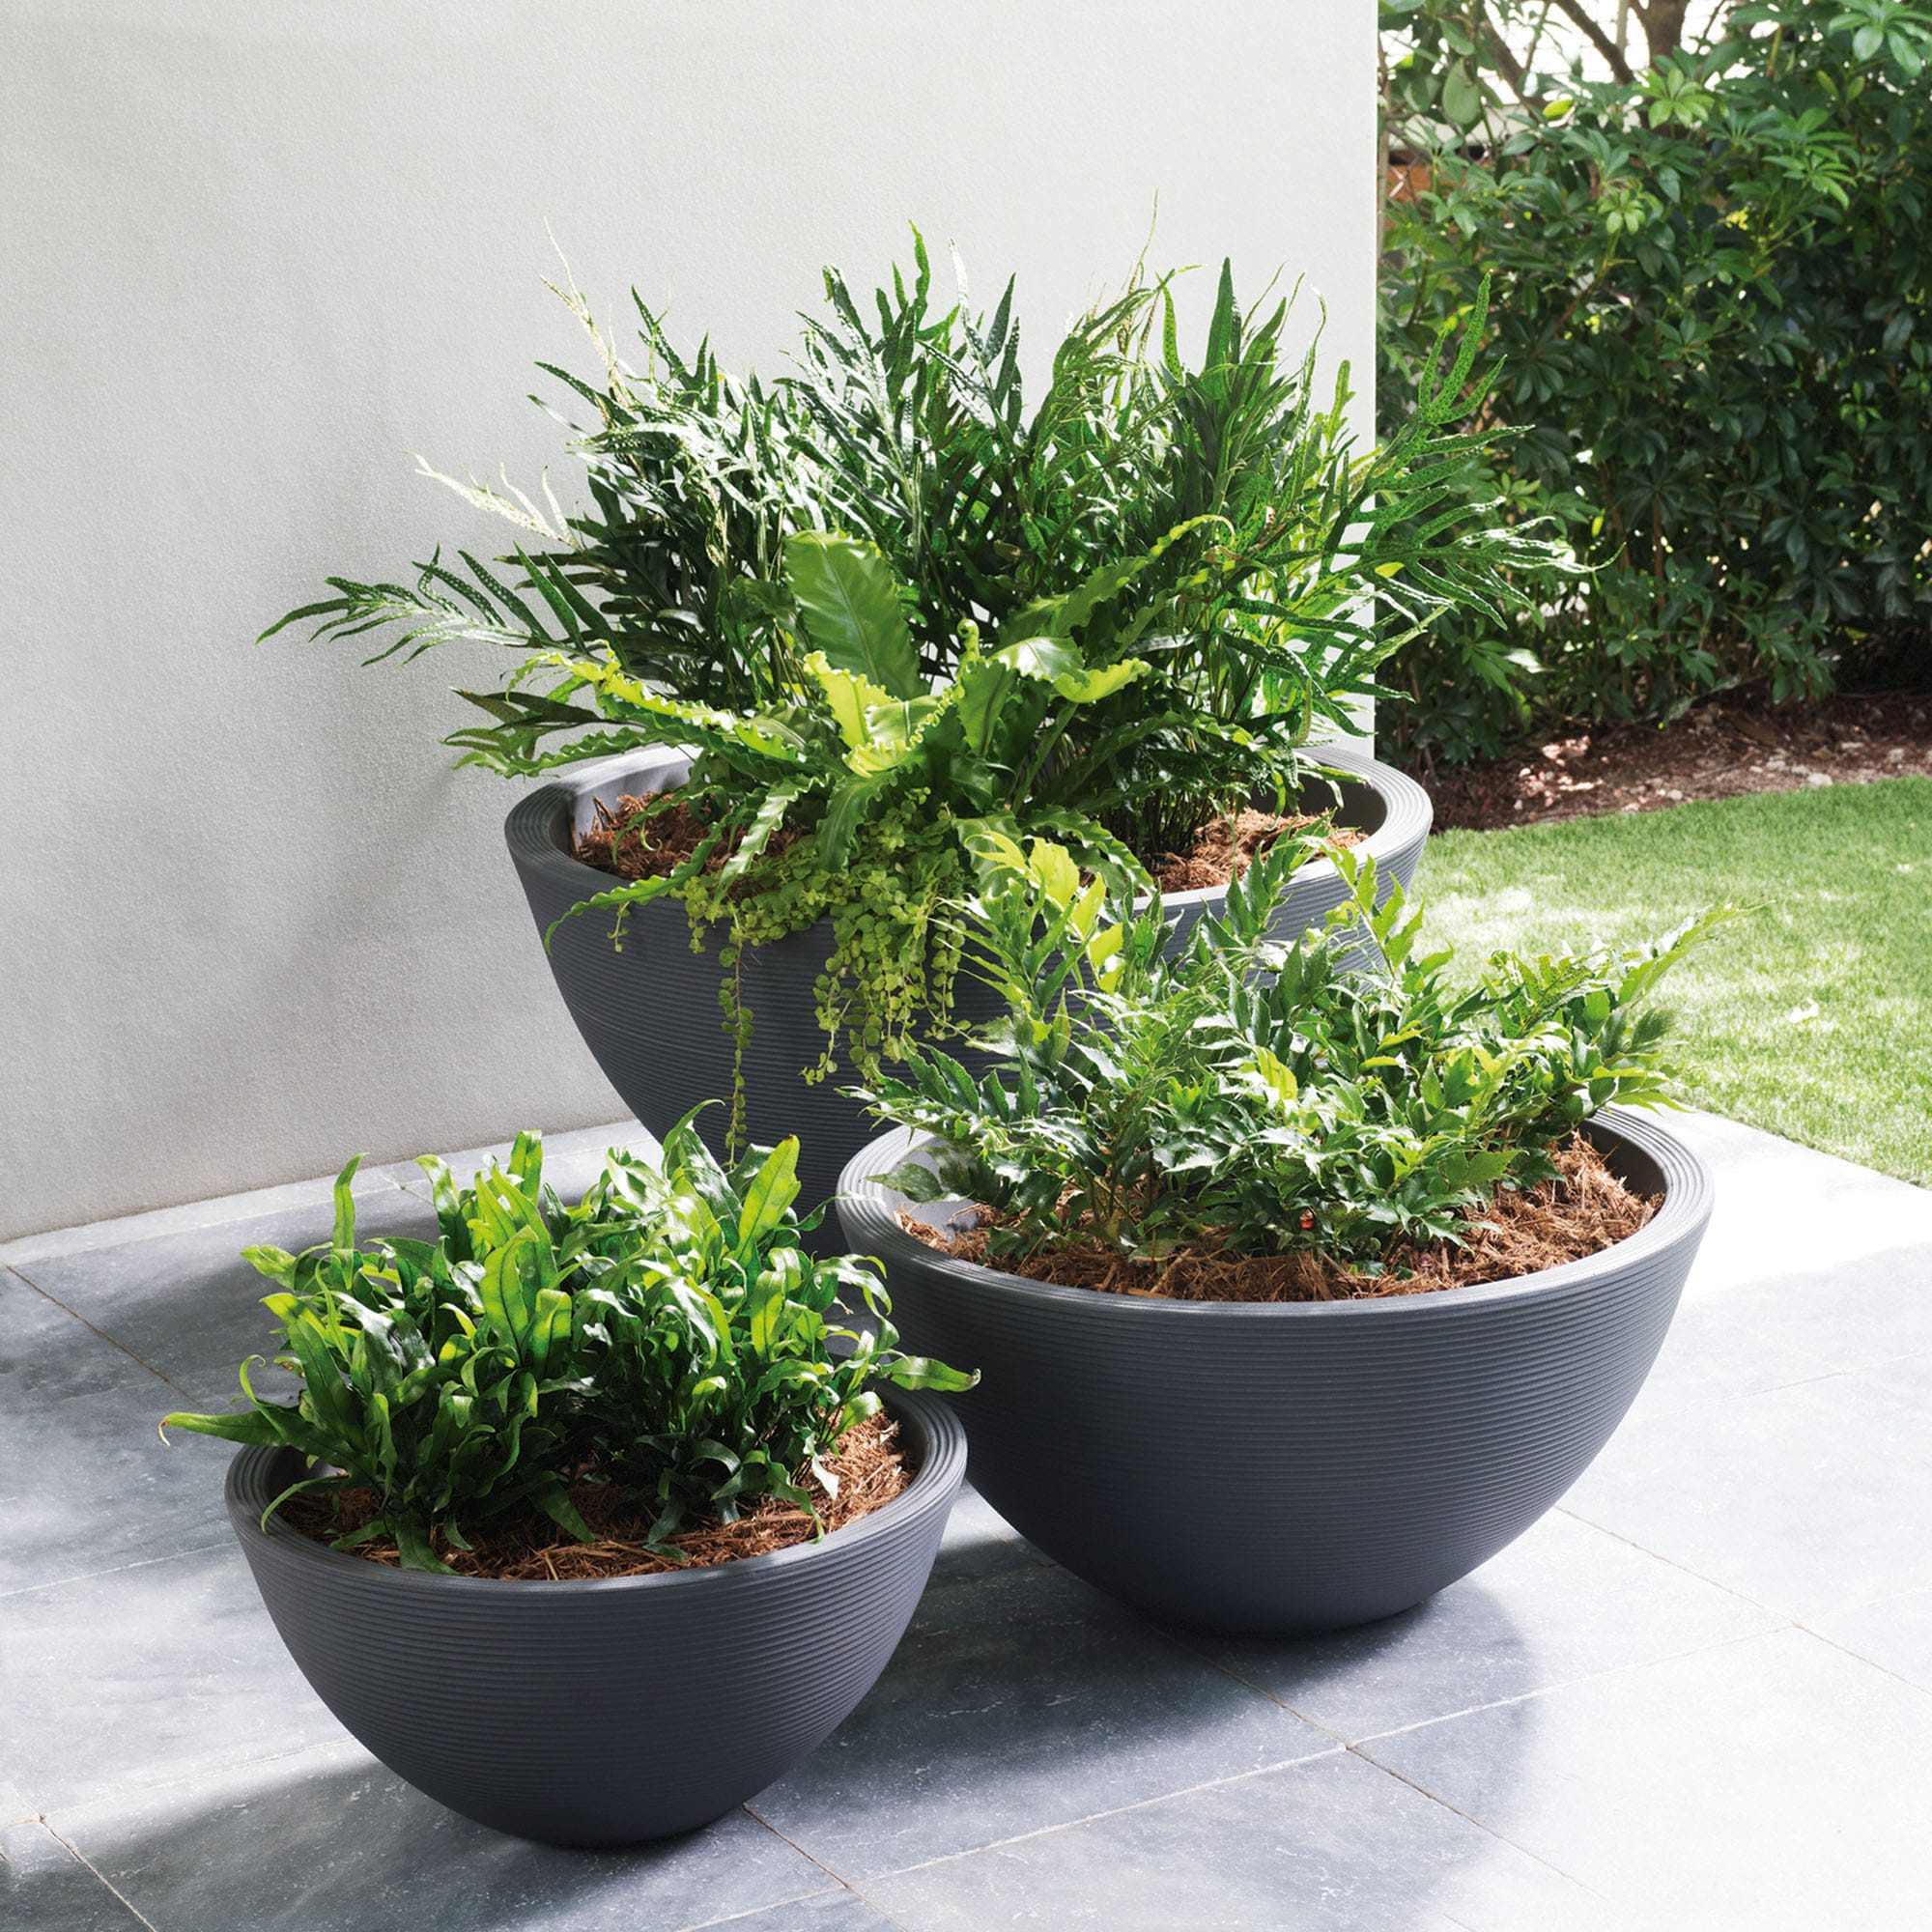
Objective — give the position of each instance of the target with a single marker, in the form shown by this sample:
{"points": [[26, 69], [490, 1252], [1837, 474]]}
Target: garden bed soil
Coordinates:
{"points": [[633, 846], [525, 1546], [1731, 746], [1584, 1209]]}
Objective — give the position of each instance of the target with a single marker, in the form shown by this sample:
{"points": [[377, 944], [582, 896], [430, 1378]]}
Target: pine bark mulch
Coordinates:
{"points": [[634, 845], [1584, 1209], [1222, 852], [524, 1544], [636, 841]]}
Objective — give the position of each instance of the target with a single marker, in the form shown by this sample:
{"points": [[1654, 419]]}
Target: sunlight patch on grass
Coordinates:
{"points": [[1813, 1019]]}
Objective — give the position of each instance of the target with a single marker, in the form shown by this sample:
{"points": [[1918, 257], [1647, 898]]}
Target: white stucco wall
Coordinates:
{"points": [[249, 257]]}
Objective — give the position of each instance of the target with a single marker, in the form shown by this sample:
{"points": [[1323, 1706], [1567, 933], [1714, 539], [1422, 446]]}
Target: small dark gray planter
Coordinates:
{"points": [[609, 1712], [650, 1012], [1294, 1467]]}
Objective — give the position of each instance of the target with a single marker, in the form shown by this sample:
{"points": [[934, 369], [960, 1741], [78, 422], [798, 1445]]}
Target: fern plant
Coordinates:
{"points": [[1257, 1098], [892, 609], [668, 1331]]}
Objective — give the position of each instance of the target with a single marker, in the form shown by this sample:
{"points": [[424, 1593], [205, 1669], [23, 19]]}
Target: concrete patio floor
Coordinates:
{"points": [[1698, 1694]]}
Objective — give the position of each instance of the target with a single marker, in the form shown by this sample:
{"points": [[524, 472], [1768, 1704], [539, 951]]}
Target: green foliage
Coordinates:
{"points": [[1808, 1029], [1265, 1097], [883, 596], [893, 954], [669, 1326], [1709, 280], [1214, 521]]}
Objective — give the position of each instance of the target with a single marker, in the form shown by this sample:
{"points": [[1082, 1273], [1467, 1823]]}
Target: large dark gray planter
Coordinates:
{"points": [[1304, 1466], [609, 1712], [650, 1012]]}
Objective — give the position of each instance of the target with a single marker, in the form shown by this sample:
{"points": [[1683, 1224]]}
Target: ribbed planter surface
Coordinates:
{"points": [[1296, 1466], [650, 1012], [609, 1712]]}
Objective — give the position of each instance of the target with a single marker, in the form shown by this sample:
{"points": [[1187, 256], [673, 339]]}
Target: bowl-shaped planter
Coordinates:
{"points": [[606, 1712], [650, 1012], [1294, 1466]]}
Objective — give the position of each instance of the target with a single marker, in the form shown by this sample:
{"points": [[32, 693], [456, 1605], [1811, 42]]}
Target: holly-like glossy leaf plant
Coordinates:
{"points": [[1259, 1097]]}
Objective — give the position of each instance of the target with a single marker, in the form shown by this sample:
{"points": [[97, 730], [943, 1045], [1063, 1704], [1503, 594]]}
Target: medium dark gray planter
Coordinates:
{"points": [[1294, 1467], [609, 1712], [650, 1012]]}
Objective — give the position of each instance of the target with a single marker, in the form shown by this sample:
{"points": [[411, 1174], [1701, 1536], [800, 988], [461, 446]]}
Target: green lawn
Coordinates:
{"points": [[1812, 1019]]}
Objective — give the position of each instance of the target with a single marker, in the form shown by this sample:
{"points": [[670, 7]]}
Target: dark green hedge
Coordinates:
{"points": [[1711, 318]]}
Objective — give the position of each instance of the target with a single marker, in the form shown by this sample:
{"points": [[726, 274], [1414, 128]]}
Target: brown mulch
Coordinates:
{"points": [[1222, 852], [633, 846], [1733, 745], [526, 1545], [1582, 1211]]}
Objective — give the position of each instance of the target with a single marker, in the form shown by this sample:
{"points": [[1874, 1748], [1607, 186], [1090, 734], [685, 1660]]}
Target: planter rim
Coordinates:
{"points": [[867, 1211], [247, 1491], [1406, 816]]}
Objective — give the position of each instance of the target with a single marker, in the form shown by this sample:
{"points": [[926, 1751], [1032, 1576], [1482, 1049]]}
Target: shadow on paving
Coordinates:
{"points": [[1021, 1701], [328, 1842]]}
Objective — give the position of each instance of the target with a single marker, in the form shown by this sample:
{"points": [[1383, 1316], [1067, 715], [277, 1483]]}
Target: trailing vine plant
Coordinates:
{"points": [[894, 955]]}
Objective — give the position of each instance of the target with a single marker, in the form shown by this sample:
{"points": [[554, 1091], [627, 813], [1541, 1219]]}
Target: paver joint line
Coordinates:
{"points": [[1261, 1691], [1729, 1589], [58, 1243], [27, 1281], [80, 1858], [1469, 1817], [1069, 1824], [1858, 1656], [1570, 1683], [776, 1905], [118, 1569], [839, 1881]]}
